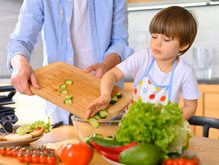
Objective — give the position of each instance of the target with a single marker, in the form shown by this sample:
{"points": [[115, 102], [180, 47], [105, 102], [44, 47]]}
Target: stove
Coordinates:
{"points": [[7, 113]]}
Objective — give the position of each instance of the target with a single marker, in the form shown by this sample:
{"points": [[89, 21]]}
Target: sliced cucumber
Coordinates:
{"points": [[94, 122], [119, 95], [68, 82], [68, 97], [63, 86], [97, 135], [102, 114], [67, 101], [64, 91]]}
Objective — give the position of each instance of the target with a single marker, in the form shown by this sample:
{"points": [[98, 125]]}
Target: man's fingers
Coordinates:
{"points": [[34, 81], [26, 89]]}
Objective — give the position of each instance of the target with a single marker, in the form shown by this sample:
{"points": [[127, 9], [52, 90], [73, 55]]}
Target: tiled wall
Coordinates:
{"points": [[9, 10], [208, 33]]}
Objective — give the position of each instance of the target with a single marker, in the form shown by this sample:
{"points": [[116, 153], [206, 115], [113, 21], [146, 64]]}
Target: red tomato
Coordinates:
{"points": [[196, 159], [44, 152], [20, 157], [14, 152], [80, 154], [8, 152], [51, 160], [190, 162], [21, 151], [27, 158], [169, 162], [35, 158], [175, 162], [38, 128], [3, 151], [181, 161], [43, 159]]}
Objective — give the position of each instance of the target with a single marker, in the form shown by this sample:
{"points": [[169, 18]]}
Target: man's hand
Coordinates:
{"points": [[99, 69], [22, 73], [99, 104]]}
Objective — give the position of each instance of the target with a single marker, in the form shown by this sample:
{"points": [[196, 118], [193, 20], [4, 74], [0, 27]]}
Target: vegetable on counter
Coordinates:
{"points": [[163, 127], [31, 127], [80, 154], [133, 153]]}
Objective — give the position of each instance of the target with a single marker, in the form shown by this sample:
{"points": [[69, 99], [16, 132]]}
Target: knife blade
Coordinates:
{"points": [[56, 124]]}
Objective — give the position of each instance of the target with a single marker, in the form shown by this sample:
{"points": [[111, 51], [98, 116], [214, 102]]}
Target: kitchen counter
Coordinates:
{"points": [[207, 148]]}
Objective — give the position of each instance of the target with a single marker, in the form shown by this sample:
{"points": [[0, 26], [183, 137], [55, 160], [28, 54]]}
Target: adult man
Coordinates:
{"points": [[89, 34]]}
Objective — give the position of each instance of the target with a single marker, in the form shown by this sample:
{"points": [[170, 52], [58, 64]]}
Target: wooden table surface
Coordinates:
{"points": [[207, 148]]}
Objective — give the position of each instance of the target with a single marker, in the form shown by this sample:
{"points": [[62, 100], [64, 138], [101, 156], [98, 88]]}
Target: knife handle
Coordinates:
{"points": [[57, 124]]}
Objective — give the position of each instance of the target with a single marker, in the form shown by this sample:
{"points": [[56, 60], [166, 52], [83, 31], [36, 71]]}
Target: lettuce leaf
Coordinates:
{"points": [[31, 127], [146, 122]]}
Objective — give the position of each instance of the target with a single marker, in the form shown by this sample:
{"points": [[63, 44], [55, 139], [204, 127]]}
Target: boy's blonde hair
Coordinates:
{"points": [[175, 22]]}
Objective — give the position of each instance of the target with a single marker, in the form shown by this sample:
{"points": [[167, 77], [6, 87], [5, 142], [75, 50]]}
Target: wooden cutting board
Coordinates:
{"points": [[84, 89]]}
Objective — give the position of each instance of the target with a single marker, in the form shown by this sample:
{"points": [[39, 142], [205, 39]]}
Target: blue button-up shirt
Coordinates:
{"points": [[108, 27]]}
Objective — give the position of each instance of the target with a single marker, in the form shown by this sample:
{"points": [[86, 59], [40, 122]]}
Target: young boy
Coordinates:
{"points": [[159, 73]]}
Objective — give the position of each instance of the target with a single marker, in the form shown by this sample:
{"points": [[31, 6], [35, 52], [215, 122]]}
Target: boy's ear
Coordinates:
{"points": [[183, 47]]}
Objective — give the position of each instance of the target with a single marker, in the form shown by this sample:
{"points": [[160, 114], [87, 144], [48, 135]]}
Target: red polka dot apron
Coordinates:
{"points": [[148, 91]]}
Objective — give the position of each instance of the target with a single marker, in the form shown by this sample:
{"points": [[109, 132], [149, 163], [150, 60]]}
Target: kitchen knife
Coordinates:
{"points": [[56, 124]]}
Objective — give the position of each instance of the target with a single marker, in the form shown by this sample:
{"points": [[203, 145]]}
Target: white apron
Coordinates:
{"points": [[147, 91]]}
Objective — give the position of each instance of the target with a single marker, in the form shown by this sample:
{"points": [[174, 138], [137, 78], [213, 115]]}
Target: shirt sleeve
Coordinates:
{"points": [[119, 34], [27, 31], [190, 89]]}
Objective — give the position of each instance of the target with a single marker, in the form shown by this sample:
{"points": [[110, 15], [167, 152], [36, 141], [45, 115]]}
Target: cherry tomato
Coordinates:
{"points": [[8, 152], [181, 161], [28, 151], [196, 159], [3, 151], [20, 157], [175, 162], [51, 160], [190, 162], [44, 152], [14, 152], [169, 162], [38, 128], [27, 158], [21, 151], [81, 153], [35, 158], [43, 159]]}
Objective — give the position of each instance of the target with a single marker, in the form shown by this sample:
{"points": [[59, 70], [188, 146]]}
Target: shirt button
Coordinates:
{"points": [[70, 59], [68, 39], [67, 19]]}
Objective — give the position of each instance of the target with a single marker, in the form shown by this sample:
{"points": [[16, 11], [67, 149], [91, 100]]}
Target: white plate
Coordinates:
{"points": [[111, 161], [186, 152], [19, 142]]}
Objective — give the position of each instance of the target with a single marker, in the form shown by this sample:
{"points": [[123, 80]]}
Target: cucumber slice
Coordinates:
{"points": [[119, 95], [64, 91], [67, 101], [68, 97], [97, 135], [102, 114], [68, 82], [94, 122], [63, 86]]}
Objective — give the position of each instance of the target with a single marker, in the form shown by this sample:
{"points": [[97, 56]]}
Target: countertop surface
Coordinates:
{"points": [[207, 148]]}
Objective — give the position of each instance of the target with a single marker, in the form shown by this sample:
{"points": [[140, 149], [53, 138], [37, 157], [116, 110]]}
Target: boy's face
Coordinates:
{"points": [[163, 47]]}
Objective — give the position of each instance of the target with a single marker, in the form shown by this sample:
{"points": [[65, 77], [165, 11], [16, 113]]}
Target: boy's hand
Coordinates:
{"points": [[99, 104]]}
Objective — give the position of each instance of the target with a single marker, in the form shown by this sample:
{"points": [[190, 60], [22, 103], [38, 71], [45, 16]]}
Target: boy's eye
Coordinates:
{"points": [[167, 40], [153, 37]]}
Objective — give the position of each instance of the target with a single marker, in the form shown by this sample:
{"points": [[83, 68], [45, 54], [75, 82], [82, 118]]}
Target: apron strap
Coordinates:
{"points": [[171, 80]]}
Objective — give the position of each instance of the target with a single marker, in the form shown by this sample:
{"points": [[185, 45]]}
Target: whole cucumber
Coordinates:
{"points": [[141, 154]]}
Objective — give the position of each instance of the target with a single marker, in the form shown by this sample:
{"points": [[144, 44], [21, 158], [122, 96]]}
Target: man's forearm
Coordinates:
{"points": [[112, 60], [18, 60]]}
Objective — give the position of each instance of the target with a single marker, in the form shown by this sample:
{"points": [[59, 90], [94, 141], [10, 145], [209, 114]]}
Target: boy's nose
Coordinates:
{"points": [[158, 43]]}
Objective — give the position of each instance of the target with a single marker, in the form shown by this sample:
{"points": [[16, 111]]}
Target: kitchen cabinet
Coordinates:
{"points": [[208, 106]]}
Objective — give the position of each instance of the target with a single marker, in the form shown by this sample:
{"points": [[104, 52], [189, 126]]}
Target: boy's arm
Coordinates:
{"points": [[107, 83], [189, 108]]}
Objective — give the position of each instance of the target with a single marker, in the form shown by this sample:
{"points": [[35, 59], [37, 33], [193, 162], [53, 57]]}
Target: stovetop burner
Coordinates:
{"points": [[7, 114]]}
